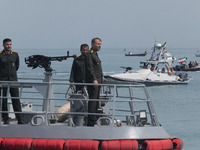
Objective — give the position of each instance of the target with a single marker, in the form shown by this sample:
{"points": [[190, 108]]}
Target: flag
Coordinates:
{"points": [[182, 60], [163, 47]]}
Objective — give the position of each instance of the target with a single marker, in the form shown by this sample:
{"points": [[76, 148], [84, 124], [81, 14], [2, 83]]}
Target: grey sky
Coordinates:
{"points": [[120, 23]]}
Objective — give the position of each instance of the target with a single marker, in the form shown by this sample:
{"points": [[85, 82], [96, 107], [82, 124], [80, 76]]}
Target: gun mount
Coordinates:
{"points": [[127, 68], [42, 61]]}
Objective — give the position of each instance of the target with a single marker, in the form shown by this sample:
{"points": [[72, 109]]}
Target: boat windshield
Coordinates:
{"points": [[158, 66]]}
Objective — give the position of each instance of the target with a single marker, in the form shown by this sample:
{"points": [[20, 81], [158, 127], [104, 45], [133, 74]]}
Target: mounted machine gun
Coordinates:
{"points": [[42, 61]]}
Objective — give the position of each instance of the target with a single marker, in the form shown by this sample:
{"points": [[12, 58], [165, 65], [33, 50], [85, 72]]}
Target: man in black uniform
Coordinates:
{"points": [[9, 64], [78, 76], [93, 75], [78, 68]]}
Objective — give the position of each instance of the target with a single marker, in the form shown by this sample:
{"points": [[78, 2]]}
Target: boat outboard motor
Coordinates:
{"points": [[127, 68], [183, 76]]}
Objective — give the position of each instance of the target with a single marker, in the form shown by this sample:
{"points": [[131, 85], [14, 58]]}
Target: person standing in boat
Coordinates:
{"points": [[190, 64], [93, 75], [78, 68], [9, 64], [152, 67], [78, 76]]}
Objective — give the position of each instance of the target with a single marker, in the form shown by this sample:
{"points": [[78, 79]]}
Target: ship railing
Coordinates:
{"points": [[120, 102]]}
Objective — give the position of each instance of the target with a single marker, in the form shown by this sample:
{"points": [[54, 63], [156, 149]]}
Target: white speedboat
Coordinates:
{"points": [[151, 73], [155, 70]]}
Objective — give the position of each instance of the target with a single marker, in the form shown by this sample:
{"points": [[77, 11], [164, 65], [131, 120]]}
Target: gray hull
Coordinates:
{"points": [[83, 133]]}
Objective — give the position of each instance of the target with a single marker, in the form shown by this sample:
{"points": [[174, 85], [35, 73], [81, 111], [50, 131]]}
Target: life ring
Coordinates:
{"points": [[170, 70]]}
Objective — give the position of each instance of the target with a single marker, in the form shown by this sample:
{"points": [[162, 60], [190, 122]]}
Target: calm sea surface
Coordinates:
{"points": [[177, 106]]}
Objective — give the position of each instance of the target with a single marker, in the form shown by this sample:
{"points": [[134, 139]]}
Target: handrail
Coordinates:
{"points": [[114, 98]]}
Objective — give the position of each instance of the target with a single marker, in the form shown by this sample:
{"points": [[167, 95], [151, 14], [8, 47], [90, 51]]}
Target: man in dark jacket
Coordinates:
{"points": [[78, 76], [78, 68], [93, 75], [9, 64]]}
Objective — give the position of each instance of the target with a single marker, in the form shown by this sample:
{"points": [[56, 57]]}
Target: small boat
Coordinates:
{"points": [[134, 54], [197, 54], [156, 70], [151, 73], [192, 66], [126, 120]]}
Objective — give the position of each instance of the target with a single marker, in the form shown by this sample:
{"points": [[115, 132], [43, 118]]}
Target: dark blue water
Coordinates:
{"points": [[177, 106]]}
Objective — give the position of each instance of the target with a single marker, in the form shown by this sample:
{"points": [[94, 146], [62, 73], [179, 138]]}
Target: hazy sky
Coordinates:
{"points": [[120, 23]]}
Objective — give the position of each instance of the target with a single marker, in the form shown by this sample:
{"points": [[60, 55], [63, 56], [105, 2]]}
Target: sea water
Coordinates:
{"points": [[177, 106]]}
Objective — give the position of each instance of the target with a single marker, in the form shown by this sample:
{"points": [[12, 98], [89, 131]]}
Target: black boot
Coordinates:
{"points": [[20, 118]]}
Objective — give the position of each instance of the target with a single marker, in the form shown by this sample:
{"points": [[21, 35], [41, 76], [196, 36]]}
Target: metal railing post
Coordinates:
{"points": [[114, 103], [1, 95], [154, 119]]}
